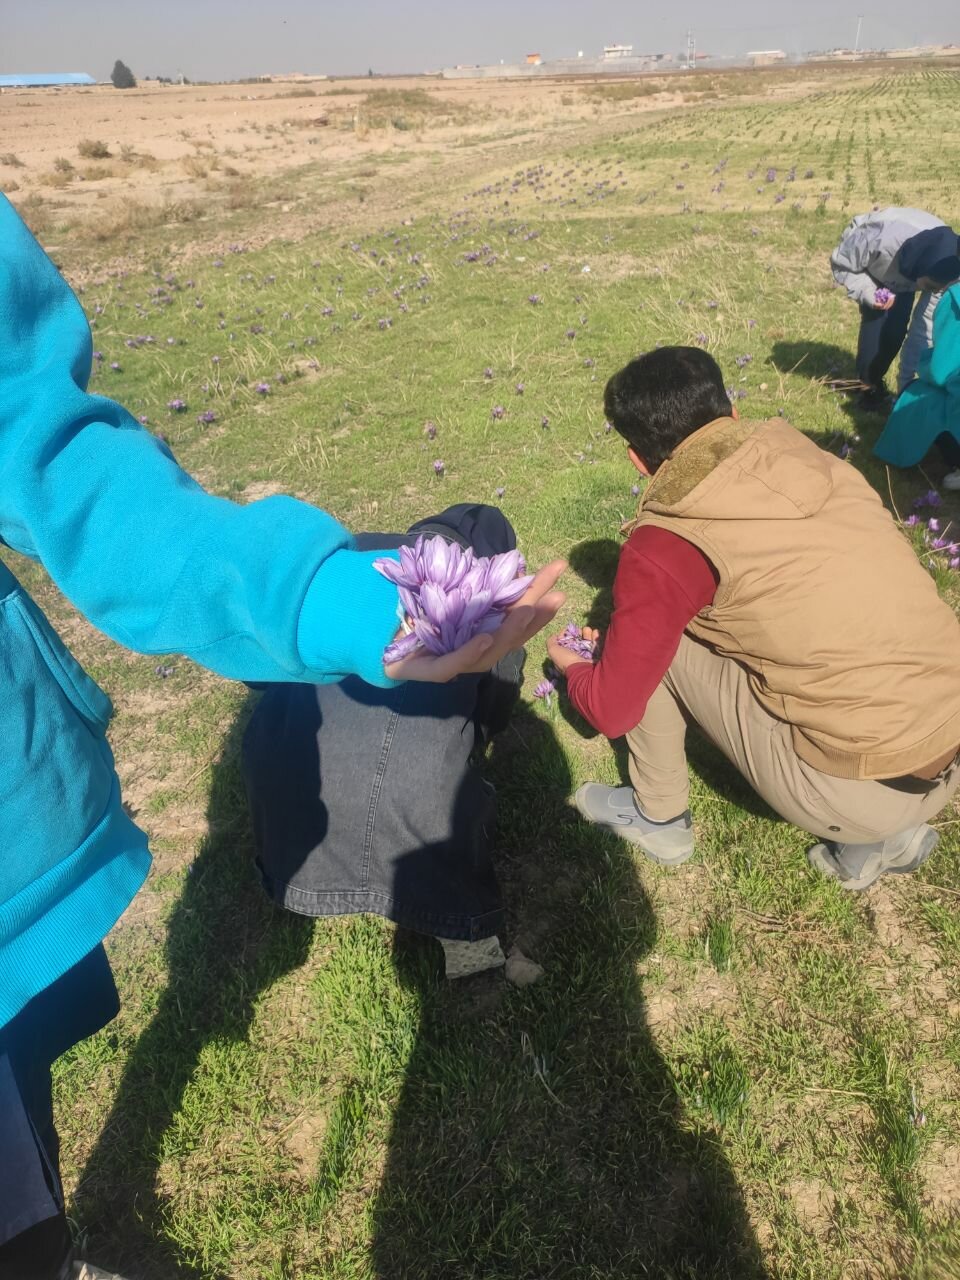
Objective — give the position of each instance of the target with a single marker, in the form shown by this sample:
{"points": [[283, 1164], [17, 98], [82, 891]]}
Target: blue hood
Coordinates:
{"points": [[922, 252]]}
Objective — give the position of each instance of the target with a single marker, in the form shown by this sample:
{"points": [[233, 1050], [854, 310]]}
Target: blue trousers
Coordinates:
{"points": [[881, 337], [35, 1240]]}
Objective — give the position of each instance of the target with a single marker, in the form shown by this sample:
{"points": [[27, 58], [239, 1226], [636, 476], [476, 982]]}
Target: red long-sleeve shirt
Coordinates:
{"points": [[662, 582]]}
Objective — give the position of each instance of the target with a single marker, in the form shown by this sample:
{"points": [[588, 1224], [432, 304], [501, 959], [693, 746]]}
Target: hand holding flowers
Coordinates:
{"points": [[574, 644], [463, 612]]}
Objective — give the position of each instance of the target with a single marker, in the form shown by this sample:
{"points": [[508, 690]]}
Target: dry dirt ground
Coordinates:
{"points": [[208, 145]]}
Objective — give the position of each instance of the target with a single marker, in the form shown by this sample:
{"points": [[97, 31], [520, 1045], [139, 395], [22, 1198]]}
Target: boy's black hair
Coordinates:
{"points": [[662, 397]]}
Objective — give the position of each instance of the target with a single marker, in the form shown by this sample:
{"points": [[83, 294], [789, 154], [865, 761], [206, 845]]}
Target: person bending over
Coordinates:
{"points": [[882, 260]]}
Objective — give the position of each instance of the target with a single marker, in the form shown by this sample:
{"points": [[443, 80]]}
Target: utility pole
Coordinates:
{"points": [[691, 49], [856, 47]]}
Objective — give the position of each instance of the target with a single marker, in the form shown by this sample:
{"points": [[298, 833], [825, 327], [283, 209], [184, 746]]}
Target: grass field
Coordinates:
{"points": [[729, 1070]]}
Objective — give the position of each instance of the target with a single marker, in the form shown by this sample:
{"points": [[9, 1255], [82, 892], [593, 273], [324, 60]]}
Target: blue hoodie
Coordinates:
{"points": [[272, 591]]}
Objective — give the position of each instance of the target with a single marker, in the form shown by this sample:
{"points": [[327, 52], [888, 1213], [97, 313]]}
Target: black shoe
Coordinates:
{"points": [[875, 400]]}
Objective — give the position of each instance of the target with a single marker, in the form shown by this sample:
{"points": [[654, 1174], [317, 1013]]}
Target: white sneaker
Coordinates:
{"points": [[86, 1271], [463, 959], [952, 479]]}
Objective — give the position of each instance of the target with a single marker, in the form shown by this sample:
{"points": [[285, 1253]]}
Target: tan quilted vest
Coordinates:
{"points": [[820, 596]]}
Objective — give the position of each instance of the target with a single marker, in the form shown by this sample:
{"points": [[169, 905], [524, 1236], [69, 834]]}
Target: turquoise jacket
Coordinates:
{"points": [[930, 404], [272, 591]]}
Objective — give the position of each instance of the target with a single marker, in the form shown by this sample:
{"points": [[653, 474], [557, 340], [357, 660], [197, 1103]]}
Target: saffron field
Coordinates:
{"points": [[732, 1069]]}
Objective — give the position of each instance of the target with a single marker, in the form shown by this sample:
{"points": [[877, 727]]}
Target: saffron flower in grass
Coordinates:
{"points": [[929, 499], [497, 412], [176, 406], [449, 594], [262, 388], [206, 417], [430, 430], [882, 297], [544, 690]]}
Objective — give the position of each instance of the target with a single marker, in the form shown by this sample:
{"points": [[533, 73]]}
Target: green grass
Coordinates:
{"points": [[729, 1070]]}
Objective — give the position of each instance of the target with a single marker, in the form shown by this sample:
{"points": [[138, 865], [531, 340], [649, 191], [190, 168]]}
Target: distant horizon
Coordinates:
{"points": [[234, 40], [676, 63]]}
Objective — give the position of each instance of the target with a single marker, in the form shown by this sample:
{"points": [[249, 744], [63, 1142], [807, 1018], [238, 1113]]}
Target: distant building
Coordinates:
{"points": [[766, 57], [42, 79], [533, 59], [617, 51]]}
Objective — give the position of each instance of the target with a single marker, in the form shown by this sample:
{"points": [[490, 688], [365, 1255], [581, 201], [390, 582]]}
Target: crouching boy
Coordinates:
{"points": [[766, 595]]}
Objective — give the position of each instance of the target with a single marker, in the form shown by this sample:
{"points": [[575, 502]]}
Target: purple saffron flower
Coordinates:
{"points": [[571, 333], [488, 373], [929, 499], [635, 490], [955, 562], [573, 640], [701, 339], [430, 430], [519, 388], [206, 417], [882, 297], [771, 175], [911, 521], [544, 421], [262, 388], [438, 467], [176, 406], [163, 672], [534, 299], [115, 367], [497, 412], [544, 689], [743, 361], [500, 491], [933, 525], [450, 594]]}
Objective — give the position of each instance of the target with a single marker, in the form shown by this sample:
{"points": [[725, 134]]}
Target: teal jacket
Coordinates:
{"points": [[272, 591], [930, 405]]}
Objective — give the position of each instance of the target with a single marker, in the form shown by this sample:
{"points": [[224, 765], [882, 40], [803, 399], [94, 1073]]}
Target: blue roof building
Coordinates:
{"points": [[31, 80]]}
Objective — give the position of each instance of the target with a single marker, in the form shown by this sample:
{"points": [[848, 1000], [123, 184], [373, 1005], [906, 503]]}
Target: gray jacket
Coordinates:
{"points": [[866, 256]]}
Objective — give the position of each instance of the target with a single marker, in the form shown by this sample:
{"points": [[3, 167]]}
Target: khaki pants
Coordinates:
{"points": [[714, 693]]}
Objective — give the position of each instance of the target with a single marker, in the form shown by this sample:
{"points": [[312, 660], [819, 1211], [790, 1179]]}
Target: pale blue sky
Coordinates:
{"points": [[225, 39]]}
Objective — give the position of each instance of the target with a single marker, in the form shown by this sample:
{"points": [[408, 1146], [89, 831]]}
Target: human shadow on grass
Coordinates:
{"points": [[538, 1131], [226, 944]]}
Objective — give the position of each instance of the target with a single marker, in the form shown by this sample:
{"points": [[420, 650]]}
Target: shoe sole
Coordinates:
{"points": [[917, 852], [631, 835]]}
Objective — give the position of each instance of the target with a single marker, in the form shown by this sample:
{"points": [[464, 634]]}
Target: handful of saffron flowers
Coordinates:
{"points": [[572, 639], [449, 594], [882, 297]]}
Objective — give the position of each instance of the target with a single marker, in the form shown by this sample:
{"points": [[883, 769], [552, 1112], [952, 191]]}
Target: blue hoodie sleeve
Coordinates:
{"points": [[271, 591]]}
